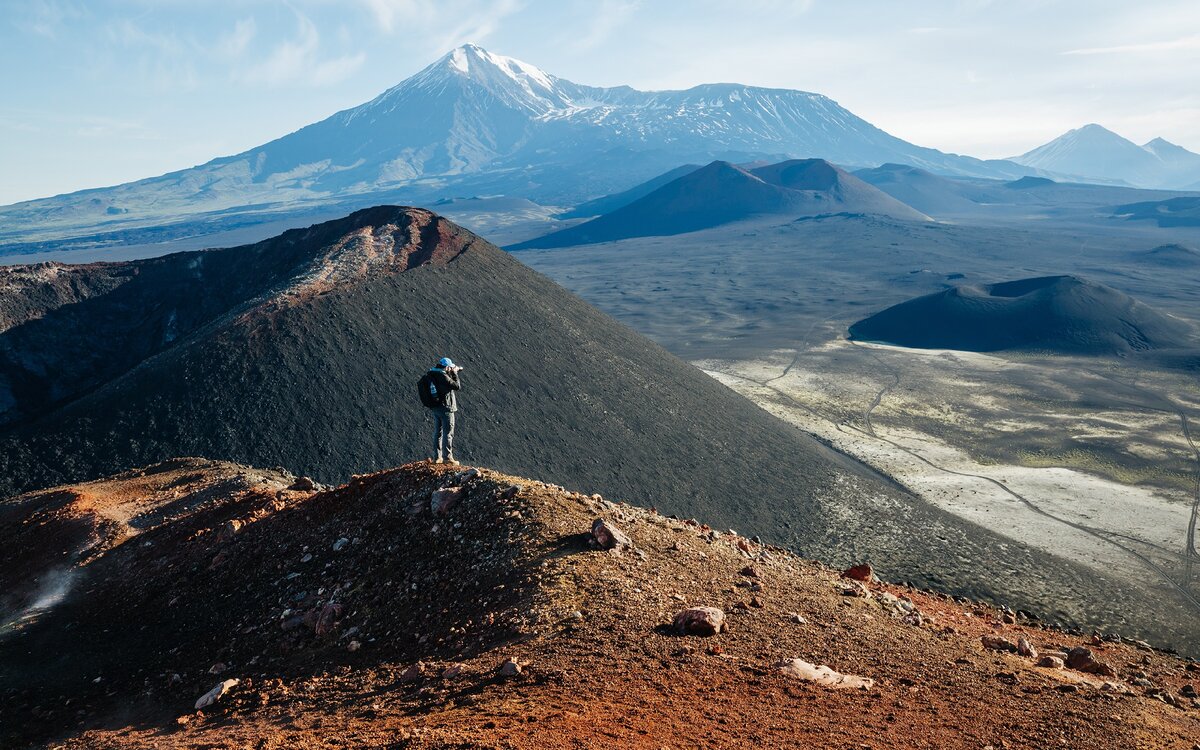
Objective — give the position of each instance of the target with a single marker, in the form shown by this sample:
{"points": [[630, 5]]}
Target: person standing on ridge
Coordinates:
{"points": [[437, 390]]}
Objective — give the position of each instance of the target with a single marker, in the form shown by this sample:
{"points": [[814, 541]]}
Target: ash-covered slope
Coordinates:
{"points": [[1064, 314], [721, 192], [302, 352], [383, 611], [1172, 255], [924, 191]]}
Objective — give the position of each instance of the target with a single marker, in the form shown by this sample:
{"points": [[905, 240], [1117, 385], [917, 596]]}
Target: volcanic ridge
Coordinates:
{"points": [[720, 193], [1058, 314], [197, 603]]}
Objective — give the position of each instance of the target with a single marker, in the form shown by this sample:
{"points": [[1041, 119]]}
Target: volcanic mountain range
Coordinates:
{"points": [[721, 192]]}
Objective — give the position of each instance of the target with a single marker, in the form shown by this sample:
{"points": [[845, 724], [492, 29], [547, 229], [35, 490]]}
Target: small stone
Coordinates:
{"points": [[1025, 648], [353, 646], [857, 590], [340, 544], [452, 671], [822, 675], [701, 621], [233, 526], [443, 500], [861, 572], [998, 643], [307, 557], [1082, 659], [756, 602], [212, 696], [798, 618], [413, 673], [1050, 662], [510, 668], [217, 668], [607, 536], [749, 571], [303, 484]]}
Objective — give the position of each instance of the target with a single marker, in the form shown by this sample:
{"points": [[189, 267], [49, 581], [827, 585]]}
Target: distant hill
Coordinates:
{"points": [[1096, 153], [1169, 256], [920, 189], [609, 203], [1062, 314], [1173, 212], [722, 192]]}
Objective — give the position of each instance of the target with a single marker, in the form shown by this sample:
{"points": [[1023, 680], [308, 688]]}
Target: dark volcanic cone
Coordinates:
{"points": [[1063, 314], [302, 351], [721, 192]]}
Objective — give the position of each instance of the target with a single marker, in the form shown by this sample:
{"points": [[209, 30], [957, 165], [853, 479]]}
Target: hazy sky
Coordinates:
{"points": [[106, 91]]}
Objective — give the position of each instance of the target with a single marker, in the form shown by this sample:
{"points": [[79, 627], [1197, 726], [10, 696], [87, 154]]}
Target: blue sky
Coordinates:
{"points": [[102, 92]]}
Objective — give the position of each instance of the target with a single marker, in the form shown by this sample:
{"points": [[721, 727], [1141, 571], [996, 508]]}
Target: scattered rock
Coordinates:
{"points": [[701, 621], [233, 526], [749, 571], [326, 618], [797, 618], [443, 500], [756, 602], [862, 572], [607, 536], [212, 696], [822, 675], [857, 590], [413, 673], [353, 646], [998, 643], [217, 668], [1081, 658], [303, 484], [1052, 662], [340, 544], [510, 668], [1025, 648], [452, 671]]}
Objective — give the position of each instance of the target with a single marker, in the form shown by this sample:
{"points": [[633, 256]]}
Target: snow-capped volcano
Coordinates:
{"points": [[478, 122], [1096, 153]]}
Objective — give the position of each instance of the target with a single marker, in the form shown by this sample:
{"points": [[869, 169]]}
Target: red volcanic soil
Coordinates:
{"points": [[379, 614]]}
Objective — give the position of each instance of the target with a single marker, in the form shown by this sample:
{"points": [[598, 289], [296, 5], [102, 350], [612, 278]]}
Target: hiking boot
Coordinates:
{"points": [[452, 462], [437, 459]]}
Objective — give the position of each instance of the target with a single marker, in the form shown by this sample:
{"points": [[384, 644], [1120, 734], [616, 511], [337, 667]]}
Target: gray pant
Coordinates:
{"points": [[443, 433]]}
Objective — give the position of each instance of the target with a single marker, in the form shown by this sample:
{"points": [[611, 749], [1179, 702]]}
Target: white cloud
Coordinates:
{"points": [[609, 16], [235, 42], [1188, 42], [47, 17], [298, 60]]}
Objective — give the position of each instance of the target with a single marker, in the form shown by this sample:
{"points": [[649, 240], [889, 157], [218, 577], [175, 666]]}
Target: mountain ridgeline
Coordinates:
{"points": [[720, 193], [486, 124]]}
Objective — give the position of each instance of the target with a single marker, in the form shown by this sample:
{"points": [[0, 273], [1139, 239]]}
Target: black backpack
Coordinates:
{"points": [[427, 390]]}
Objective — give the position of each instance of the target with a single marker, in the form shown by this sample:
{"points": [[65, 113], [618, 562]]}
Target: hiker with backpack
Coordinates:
{"points": [[436, 389]]}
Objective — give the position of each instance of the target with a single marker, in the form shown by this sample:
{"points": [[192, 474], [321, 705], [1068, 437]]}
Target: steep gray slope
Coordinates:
{"points": [[311, 360]]}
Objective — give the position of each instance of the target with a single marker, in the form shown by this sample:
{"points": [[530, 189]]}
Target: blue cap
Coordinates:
{"points": [[445, 362]]}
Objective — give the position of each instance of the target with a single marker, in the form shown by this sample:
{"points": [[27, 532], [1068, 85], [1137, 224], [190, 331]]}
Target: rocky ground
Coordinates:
{"points": [[210, 605]]}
